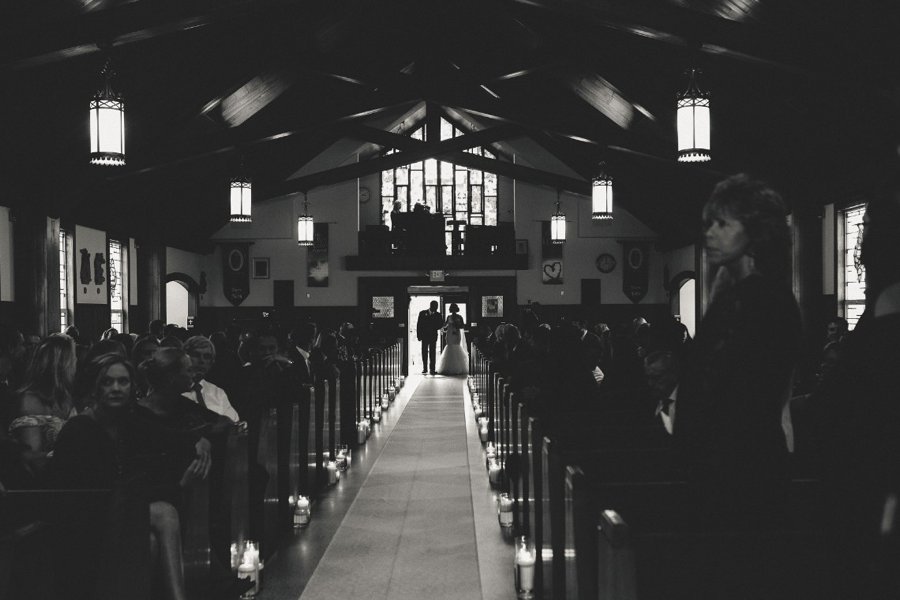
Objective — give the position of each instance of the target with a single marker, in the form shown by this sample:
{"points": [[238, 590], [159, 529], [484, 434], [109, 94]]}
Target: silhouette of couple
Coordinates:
{"points": [[454, 359]]}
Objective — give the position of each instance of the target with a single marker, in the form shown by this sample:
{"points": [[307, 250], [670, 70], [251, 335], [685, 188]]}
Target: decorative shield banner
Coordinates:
{"points": [[635, 270], [317, 257], [236, 272]]}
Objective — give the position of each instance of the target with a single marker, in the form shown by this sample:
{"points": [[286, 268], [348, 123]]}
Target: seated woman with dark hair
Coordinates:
{"points": [[119, 444]]}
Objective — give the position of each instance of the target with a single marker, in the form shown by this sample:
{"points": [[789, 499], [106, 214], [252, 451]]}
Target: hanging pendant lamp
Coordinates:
{"points": [[305, 225], [693, 122], [107, 123], [558, 225], [241, 199], [602, 197]]}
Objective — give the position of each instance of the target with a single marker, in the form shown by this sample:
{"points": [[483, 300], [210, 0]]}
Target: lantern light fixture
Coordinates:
{"points": [[693, 121], [558, 225], [241, 198], [305, 225], [107, 123], [602, 197]]}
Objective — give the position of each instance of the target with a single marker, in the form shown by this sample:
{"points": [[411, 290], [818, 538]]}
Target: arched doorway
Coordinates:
{"points": [[683, 299], [182, 299]]}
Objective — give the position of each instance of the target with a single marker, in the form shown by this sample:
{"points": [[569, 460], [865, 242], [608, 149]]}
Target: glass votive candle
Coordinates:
{"points": [[505, 510], [343, 457], [392, 394], [524, 567], [494, 472], [301, 512], [361, 432], [385, 402], [483, 429], [249, 568], [333, 473], [376, 416], [236, 555], [490, 453], [402, 380]]}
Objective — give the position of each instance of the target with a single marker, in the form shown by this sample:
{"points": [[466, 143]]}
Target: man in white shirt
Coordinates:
{"points": [[203, 356], [661, 371]]}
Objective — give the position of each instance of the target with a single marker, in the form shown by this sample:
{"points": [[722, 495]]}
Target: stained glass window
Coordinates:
{"points": [[63, 279], [117, 282], [464, 196], [852, 271]]}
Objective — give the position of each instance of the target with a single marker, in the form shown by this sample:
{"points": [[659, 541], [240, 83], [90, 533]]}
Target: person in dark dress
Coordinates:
{"points": [[737, 379], [427, 326], [858, 418]]}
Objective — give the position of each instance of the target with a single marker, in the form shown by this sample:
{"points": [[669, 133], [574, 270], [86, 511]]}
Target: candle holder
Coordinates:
{"points": [[343, 457], [302, 513], [249, 568], [361, 433], [333, 474], [385, 402], [490, 453], [483, 429], [524, 568], [494, 472], [376, 416], [368, 426], [505, 510], [402, 380], [392, 394]]}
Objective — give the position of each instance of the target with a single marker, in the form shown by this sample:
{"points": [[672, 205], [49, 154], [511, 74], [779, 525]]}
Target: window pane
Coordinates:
{"points": [[462, 179], [490, 210], [446, 172], [462, 201], [853, 271], [402, 175], [489, 154], [431, 198], [476, 220], [431, 170], [476, 199], [415, 188], [490, 184], [419, 133], [448, 239], [446, 129], [387, 183], [63, 281], [403, 195], [447, 199]]}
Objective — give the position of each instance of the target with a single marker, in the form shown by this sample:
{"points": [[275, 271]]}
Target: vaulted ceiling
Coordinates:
{"points": [[804, 93]]}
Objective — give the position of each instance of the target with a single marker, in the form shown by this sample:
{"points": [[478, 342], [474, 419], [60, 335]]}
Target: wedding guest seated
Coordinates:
{"points": [[205, 393], [45, 402], [169, 375], [226, 369], [117, 443]]}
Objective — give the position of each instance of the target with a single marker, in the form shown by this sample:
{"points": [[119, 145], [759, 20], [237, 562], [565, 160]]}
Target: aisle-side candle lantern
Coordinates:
{"points": [[505, 510], [402, 380], [392, 394], [361, 433], [483, 429], [490, 453], [524, 567], [344, 457], [301, 512], [237, 551], [333, 474], [385, 402], [376, 416], [368, 423], [494, 472], [249, 568]]}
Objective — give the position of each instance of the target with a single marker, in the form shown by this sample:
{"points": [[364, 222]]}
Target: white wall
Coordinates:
{"points": [[585, 240], [7, 270]]}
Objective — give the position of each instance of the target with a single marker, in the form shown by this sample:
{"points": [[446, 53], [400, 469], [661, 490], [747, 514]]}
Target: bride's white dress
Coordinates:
{"points": [[454, 360]]}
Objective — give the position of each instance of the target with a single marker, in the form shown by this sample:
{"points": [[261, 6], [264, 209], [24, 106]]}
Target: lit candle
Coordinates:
{"points": [[301, 512], [392, 394], [494, 472], [525, 559], [504, 510], [483, 429], [333, 473], [235, 557], [376, 416], [385, 402], [361, 433], [344, 457]]}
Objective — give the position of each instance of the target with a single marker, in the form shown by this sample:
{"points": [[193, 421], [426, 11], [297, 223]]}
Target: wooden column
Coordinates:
{"points": [[36, 256], [151, 266]]}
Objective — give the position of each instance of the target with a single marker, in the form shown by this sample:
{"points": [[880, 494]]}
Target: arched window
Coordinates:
{"points": [[852, 274], [464, 196]]}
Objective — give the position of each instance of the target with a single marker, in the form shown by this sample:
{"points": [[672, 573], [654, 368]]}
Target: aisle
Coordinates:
{"points": [[410, 532]]}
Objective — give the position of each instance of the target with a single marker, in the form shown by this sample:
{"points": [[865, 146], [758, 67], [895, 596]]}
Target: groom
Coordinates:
{"points": [[426, 331]]}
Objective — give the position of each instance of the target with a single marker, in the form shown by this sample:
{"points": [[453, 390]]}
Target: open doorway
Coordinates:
{"points": [[176, 303], [419, 300]]}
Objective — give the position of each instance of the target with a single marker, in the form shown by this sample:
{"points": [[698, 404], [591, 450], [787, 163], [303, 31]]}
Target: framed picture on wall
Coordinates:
{"points": [[521, 247], [260, 268], [492, 306]]}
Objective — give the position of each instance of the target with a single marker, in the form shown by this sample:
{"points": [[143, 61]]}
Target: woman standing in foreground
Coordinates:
{"points": [[737, 379]]}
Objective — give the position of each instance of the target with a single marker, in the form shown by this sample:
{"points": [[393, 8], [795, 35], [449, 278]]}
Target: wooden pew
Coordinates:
{"points": [[196, 547], [74, 544], [335, 415], [743, 565], [347, 394], [265, 512], [319, 424]]}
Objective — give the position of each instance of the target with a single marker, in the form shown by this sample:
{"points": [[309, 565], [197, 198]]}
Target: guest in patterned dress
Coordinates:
{"points": [[45, 401]]}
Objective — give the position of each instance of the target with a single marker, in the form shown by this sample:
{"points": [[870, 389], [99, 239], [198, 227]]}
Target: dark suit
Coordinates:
{"points": [[427, 327]]}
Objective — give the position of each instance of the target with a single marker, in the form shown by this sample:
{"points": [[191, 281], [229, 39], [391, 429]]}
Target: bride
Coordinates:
{"points": [[454, 360]]}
